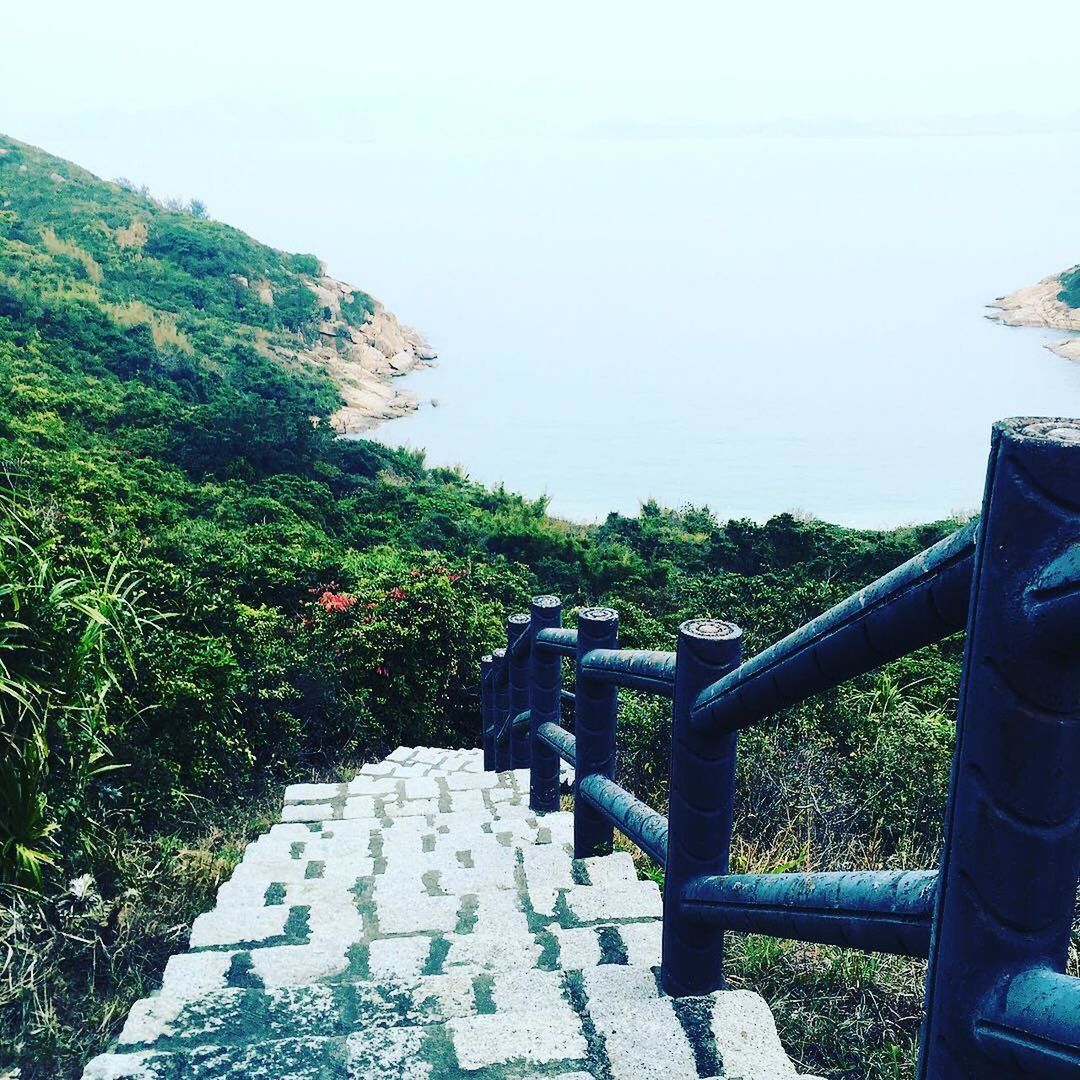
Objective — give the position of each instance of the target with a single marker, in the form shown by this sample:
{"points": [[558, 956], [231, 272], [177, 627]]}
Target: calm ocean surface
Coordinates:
{"points": [[759, 324]]}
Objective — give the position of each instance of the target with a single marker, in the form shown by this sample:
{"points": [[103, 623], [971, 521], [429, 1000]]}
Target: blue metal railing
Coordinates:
{"points": [[995, 919]]}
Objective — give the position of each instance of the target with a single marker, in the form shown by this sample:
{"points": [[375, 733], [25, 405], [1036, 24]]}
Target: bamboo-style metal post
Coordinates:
{"points": [[701, 795], [596, 707], [545, 705], [1011, 856]]}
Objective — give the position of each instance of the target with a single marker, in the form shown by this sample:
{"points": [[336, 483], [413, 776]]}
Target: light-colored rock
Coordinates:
{"points": [[746, 1038], [398, 957], [296, 965], [387, 1054], [641, 900], [611, 870], [644, 1040], [642, 941], [234, 925], [312, 792], [536, 1038], [188, 974], [126, 1067], [1038, 305]]}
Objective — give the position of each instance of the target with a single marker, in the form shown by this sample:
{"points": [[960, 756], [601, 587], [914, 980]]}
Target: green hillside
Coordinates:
{"points": [[204, 592]]}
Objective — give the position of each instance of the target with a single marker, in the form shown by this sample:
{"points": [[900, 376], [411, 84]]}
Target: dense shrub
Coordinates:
{"points": [[203, 593]]}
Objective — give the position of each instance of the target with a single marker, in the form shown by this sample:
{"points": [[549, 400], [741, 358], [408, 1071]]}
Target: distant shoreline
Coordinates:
{"points": [[1038, 305], [363, 361]]}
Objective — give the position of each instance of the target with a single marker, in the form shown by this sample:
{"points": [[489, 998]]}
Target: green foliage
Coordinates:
{"points": [[328, 598], [1070, 287], [358, 308], [65, 639]]}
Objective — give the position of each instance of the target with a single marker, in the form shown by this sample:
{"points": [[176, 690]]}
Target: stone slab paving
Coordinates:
{"points": [[419, 921]]}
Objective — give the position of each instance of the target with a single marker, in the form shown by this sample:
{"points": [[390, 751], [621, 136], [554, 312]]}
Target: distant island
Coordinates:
{"points": [[1053, 302]]}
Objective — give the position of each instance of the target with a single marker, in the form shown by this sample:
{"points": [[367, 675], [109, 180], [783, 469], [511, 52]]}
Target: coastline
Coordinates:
{"points": [[363, 361], [1038, 305]]}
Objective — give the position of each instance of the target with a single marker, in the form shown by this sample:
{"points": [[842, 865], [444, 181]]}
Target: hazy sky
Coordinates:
{"points": [[77, 75], [550, 193]]}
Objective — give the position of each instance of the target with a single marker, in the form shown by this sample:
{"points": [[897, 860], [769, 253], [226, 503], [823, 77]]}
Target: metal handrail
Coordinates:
{"points": [[916, 604], [560, 740], [636, 819], [635, 669], [875, 910], [558, 639], [994, 920]]}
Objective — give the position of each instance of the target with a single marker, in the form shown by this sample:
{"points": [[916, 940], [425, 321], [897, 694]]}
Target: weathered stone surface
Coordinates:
{"points": [[641, 900], [421, 921], [578, 948], [537, 1038], [387, 1054], [233, 925], [398, 957], [307, 812], [295, 965], [312, 792], [643, 1040], [746, 1038], [611, 870]]}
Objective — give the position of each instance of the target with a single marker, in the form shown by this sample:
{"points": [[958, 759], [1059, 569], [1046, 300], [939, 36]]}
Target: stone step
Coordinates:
{"points": [[234, 1015], [610, 1020], [419, 920]]}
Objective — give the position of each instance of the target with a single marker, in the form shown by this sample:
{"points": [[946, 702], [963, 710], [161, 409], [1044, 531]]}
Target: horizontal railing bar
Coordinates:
{"points": [[560, 740], [521, 720], [647, 828], [567, 695], [916, 604], [1034, 1026], [560, 639], [636, 669], [880, 910]]}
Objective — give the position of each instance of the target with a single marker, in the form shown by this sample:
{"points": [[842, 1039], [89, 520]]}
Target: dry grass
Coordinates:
{"points": [[162, 325], [55, 245], [132, 236], [71, 965]]}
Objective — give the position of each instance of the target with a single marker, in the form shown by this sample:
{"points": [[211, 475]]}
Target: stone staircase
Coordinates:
{"points": [[420, 922]]}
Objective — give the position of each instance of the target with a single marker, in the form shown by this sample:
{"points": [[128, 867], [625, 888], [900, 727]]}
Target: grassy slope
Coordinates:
{"points": [[141, 423]]}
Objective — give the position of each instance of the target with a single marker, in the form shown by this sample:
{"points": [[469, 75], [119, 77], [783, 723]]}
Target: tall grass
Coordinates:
{"points": [[64, 638]]}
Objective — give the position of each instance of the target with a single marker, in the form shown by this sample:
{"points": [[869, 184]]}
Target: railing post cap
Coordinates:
{"points": [[498, 654], [598, 615], [546, 601], [1048, 448], [713, 640], [710, 630], [487, 658], [1055, 430], [519, 618]]}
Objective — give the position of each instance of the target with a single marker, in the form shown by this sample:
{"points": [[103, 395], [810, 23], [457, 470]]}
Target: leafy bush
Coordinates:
{"points": [[358, 308]]}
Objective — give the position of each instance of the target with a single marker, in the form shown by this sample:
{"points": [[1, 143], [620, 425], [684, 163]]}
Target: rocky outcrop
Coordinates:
{"points": [[1038, 305], [363, 360]]}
